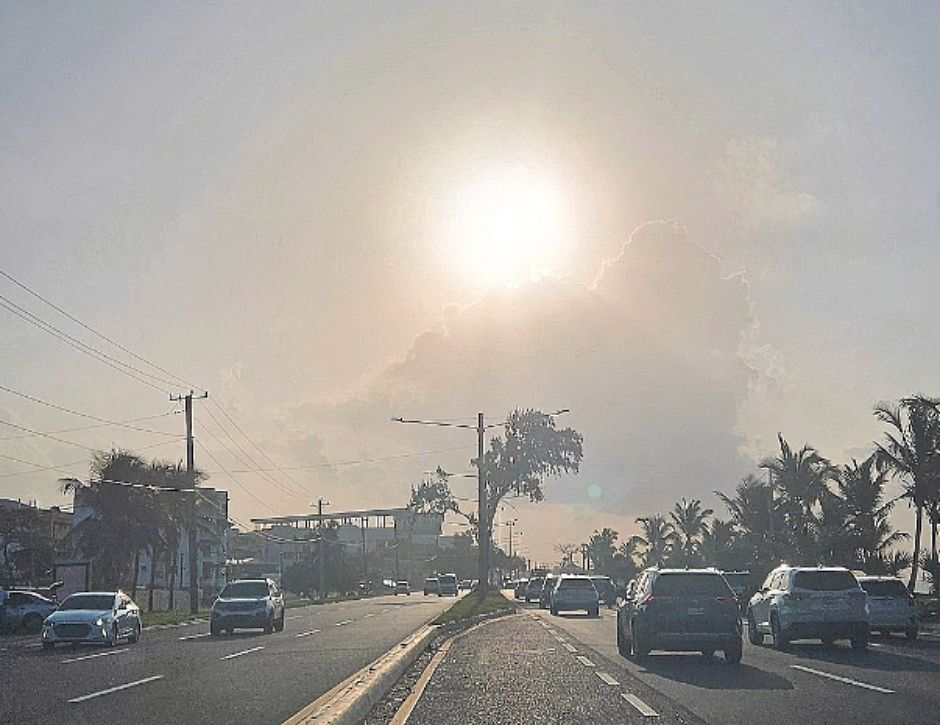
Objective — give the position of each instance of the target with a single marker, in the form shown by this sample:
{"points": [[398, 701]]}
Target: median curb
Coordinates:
{"points": [[351, 700]]}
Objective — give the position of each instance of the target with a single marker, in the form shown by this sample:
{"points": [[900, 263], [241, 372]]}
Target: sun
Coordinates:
{"points": [[509, 226]]}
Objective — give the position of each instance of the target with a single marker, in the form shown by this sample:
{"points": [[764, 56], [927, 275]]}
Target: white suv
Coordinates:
{"points": [[892, 607], [809, 602]]}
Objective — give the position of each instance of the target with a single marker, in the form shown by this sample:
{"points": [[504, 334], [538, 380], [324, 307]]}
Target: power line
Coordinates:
{"points": [[92, 352], [88, 327], [93, 427], [50, 436], [41, 467], [235, 480], [356, 462]]}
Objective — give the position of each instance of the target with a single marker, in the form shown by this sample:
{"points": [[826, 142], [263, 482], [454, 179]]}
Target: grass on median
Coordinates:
{"points": [[474, 604], [148, 619]]}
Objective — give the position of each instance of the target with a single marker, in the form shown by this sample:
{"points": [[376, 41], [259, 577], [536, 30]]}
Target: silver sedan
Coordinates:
{"points": [[94, 617]]}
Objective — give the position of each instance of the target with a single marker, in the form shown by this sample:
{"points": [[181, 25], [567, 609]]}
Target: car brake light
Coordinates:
{"points": [[662, 600]]}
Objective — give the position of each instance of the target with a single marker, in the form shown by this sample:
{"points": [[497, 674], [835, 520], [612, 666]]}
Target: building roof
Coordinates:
{"points": [[275, 520]]}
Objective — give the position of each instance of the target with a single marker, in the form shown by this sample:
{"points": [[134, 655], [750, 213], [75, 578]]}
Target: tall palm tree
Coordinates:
{"points": [[689, 523], [801, 478], [657, 539], [862, 488], [910, 453], [719, 543], [758, 520]]}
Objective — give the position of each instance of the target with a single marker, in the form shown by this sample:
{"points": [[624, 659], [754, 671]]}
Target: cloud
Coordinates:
{"points": [[648, 360]]}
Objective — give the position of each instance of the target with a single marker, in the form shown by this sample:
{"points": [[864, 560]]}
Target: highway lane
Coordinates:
{"points": [[895, 681], [179, 674]]}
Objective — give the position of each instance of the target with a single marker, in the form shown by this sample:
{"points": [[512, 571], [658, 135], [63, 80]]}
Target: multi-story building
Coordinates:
{"points": [[30, 539]]}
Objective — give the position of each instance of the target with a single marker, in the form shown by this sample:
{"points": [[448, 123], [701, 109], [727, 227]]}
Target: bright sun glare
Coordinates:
{"points": [[509, 227]]}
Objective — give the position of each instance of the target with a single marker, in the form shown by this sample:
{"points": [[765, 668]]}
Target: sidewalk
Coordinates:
{"points": [[514, 670]]}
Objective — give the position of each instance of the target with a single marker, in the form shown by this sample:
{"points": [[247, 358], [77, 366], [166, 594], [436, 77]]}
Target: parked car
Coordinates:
{"points": [[447, 585], [431, 586], [533, 589], [248, 603], [26, 610], [606, 591], [572, 593], [466, 584], [519, 588], [95, 617], [808, 603], [891, 607], [680, 610], [402, 587], [548, 586]]}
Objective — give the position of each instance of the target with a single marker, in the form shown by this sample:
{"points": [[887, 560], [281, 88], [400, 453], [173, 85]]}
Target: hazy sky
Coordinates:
{"points": [[692, 224]]}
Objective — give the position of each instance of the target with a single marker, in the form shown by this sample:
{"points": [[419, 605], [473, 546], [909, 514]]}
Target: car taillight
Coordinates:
{"points": [[660, 599]]}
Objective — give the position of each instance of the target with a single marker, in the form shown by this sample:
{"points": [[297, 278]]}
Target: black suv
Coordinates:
{"points": [[680, 610], [254, 603]]}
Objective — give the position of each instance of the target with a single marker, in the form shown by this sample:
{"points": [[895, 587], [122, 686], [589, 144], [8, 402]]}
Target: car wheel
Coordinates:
{"points": [[214, 630], [640, 650], [269, 626], [279, 624], [911, 633], [753, 636], [554, 611], [780, 640], [860, 643], [114, 635], [595, 612], [32, 623], [48, 646], [134, 636], [733, 653], [230, 631]]}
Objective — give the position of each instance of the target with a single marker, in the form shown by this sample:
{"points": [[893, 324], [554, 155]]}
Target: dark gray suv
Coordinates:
{"points": [[248, 603], [680, 610]]}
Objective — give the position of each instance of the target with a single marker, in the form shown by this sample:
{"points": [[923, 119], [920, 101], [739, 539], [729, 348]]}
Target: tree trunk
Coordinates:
{"points": [[918, 530], [136, 574], [172, 554], [153, 578], [933, 530]]}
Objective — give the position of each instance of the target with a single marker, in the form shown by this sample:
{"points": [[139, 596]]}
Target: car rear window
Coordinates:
{"points": [[246, 590], [537, 582], [576, 584], [447, 579], [825, 581], [890, 588], [691, 584]]}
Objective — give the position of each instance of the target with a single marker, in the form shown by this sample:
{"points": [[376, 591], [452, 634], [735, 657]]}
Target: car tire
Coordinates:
{"points": [[112, 642], [32, 622], [554, 611], [639, 648], [911, 633], [753, 635], [828, 640], [734, 653], [269, 625], [214, 630], [48, 646], [134, 637], [595, 613], [860, 643], [781, 642]]}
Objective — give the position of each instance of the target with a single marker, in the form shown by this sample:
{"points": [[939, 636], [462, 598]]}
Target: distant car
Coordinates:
{"points": [[466, 584], [606, 591], [402, 587], [533, 589], [431, 586], [447, 585], [27, 610], [574, 593], [742, 584], [95, 617], [809, 603], [548, 586], [519, 589], [680, 610], [891, 607], [248, 603]]}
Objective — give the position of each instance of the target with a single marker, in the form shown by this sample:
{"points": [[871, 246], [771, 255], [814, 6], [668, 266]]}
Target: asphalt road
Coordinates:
{"points": [[894, 681], [181, 675]]}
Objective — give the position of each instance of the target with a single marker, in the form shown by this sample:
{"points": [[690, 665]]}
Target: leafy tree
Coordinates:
{"points": [[657, 539], [602, 548], [757, 521], [719, 545], [689, 524], [909, 452]]}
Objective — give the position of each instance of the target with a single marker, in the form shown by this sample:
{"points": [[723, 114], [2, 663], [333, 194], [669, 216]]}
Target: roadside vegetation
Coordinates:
{"points": [[474, 604]]}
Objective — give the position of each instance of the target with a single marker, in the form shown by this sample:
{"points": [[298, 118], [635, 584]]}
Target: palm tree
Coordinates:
{"points": [[862, 487], [601, 547], [689, 523], [801, 478], [758, 521], [719, 544], [657, 539], [910, 452]]}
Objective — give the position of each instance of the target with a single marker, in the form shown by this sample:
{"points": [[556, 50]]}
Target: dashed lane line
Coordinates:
{"points": [[343, 623], [97, 654], [584, 661], [193, 636], [606, 679], [243, 652], [371, 614], [846, 680], [116, 689], [307, 634], [640, 706], [570, 647]]}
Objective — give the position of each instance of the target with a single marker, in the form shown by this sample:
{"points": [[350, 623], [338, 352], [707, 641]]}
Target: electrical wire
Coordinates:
{"points": [[97, 425]]}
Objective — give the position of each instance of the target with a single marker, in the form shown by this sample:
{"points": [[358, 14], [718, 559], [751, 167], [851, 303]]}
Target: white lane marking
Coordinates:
{"points": [[97, 654], [371, 614], [243, 652], [296, 616], [606, 679], [344, 622], [116, 689], [641, 707], [307, 634], [570, 647], [584, 661], [193, 636], [560, 639], [846, 680], [874, 644]]}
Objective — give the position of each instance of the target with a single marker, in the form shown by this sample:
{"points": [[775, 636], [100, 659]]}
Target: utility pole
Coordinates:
{"points": [[192, 545], [483, 531], [321, 549]]}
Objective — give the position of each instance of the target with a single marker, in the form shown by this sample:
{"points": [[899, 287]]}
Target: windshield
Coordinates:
{"points": [[93, 602], [680, 585], [825, 581], [576, 584], [245, 590], [886, 588]]}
